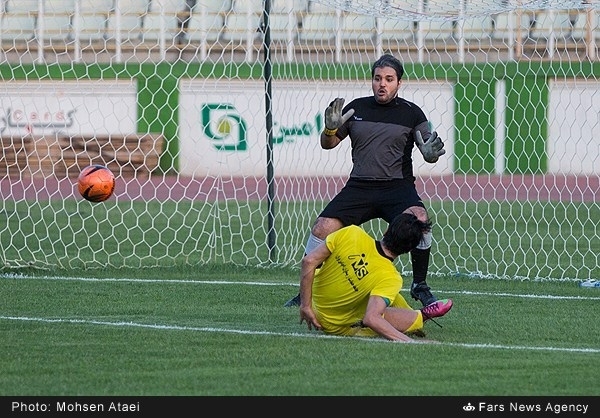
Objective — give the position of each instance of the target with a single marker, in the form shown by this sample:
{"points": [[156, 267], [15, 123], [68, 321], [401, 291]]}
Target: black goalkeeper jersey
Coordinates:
{"points": [[382, 137]]}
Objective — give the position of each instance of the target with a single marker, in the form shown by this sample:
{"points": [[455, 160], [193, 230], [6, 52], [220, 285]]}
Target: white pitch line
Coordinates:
{"points": [[313, 335], [230, 282], [519, 295], [93, 279], [285, 334]]}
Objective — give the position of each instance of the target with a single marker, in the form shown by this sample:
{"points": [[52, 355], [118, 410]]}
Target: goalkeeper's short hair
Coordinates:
{"points": [[388, 60]]}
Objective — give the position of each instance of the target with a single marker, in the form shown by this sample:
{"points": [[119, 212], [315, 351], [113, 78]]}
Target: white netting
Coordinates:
{"points": [[215, 148], [451, 9]]}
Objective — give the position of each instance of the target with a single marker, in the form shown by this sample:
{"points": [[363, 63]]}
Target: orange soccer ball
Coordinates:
{"points": [[96, 183]]}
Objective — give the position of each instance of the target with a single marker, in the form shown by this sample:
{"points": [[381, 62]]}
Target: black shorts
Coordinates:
{"points": [[360, 201]]}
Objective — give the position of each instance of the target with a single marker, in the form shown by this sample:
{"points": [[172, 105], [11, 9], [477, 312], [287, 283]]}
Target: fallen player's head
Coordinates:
{"points": [[404, 233]]}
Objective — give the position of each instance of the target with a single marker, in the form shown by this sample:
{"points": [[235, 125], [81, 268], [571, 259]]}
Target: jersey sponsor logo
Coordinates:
{"points": [[359, 265]]}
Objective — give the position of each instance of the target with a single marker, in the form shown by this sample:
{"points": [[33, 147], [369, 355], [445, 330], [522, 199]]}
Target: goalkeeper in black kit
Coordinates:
{"points": [[383, 130]]}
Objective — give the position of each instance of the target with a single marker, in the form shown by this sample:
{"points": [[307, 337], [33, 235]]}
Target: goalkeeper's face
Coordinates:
{"points": [[385, 84]]}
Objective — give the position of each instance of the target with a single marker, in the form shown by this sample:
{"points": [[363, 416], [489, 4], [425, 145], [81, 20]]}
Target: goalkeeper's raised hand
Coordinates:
{"points": [[334, 118], [432, 149]]}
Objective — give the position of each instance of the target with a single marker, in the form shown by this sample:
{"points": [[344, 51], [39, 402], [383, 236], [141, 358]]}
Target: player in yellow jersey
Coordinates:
{"points": [[349, 285]]}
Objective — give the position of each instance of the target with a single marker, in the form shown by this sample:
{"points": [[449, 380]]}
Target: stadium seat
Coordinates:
{"points": [[243, 22], [164, 15], [579, 24], [581, 21], [506, 26], [283, 26], [435, 30], [356, 27], [478, 28], [127, 19], [242, 6], [555, 23], [57, 19], [282, 6], [19, 20], [207, 20], [91, 22], [393, 29], [285, 18], [317, 7], [320, 23]]}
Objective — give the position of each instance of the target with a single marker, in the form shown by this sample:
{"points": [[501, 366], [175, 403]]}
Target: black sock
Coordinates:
{"points": [[420, 263]]}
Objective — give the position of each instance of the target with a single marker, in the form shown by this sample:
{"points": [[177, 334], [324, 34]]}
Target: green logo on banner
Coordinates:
{"points": [[224, 126], [228, 131]]}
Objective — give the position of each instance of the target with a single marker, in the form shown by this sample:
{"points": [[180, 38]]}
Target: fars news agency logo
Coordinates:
{"points": [[551, 407], [227, 130]]}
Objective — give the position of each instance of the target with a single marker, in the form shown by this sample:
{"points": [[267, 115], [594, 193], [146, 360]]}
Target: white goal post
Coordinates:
{"points": [[209, 113]]}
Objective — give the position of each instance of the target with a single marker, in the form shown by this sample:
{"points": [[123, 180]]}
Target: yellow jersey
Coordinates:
{"points": [[356, 270]]}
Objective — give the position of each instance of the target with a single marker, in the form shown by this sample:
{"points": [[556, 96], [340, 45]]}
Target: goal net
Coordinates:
{"points": [[209, 113]]}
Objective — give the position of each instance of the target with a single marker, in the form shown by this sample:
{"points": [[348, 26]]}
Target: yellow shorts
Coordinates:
{"points": [[358, 329]]}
